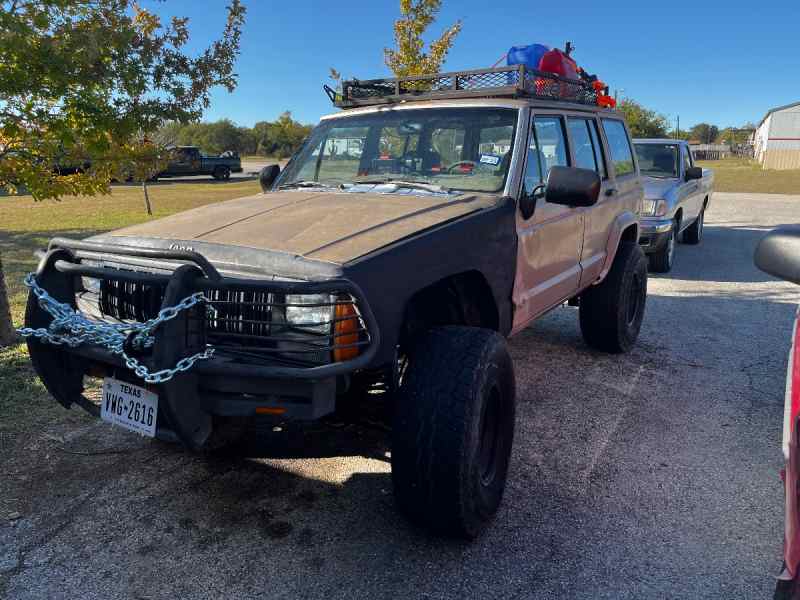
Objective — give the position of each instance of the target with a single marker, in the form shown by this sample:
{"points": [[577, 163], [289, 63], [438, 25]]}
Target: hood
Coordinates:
{"points": [[334, 227], [655, 187]]}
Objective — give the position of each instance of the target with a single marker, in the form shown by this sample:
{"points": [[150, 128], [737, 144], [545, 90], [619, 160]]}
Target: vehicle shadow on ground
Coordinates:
{"points": [[720, 255]]}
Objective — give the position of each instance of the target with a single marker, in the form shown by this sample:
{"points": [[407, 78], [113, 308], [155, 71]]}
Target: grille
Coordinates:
{"points": [[252, 324], [512, 81]]}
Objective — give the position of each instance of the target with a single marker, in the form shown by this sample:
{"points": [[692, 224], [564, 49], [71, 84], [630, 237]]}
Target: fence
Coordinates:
{"points": [[710, 151]]}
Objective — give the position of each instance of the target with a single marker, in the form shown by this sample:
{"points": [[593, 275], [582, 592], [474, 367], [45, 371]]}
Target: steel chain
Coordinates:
{"points": [[69, 327]]}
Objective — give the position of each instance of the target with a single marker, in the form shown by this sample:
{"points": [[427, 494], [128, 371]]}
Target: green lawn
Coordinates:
{"points": [[743, 175], [28, 225]]}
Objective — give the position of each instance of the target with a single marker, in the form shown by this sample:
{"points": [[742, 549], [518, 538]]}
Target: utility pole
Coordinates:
{"points": [[678, 128]]}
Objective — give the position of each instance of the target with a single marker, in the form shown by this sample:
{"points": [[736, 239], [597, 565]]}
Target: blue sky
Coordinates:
{"points": [[706, 60]]}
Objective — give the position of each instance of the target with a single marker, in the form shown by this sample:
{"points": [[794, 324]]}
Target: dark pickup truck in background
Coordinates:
{"points": [[189, 160]]}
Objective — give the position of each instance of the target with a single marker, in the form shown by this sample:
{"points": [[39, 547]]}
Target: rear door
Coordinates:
{"points": [[622, 193], [550, 240]]}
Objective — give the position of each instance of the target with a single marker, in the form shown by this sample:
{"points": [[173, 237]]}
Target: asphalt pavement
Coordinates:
{"points": [[649, 475]]}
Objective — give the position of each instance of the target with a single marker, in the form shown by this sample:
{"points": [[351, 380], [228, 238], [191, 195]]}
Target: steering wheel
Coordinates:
{"points": [[472, 164]]}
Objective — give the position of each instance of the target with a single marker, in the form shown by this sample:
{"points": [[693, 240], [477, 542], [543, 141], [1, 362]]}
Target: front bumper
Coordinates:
{"points": [[241, 382], [654, 233]]}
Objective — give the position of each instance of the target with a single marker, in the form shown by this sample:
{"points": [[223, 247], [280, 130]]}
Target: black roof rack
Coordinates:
{"points": [[517, 81]]}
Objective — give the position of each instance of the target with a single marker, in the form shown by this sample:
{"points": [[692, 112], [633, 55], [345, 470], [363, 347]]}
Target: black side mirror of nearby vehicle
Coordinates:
{"points": [[572, 187], [267, 176], [694, 173], [778, 253]]}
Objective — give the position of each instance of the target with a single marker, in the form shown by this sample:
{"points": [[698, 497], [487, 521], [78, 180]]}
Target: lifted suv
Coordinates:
{"points": [[410, 235]]}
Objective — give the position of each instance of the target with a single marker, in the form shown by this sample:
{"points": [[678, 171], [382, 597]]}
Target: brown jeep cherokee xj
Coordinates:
{"points": [[412, 233]]}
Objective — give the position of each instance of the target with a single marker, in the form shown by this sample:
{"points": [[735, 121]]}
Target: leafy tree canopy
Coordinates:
{"points": [[410, 57], [85, 82], [704, 133], [279, 138], [642, 121]]}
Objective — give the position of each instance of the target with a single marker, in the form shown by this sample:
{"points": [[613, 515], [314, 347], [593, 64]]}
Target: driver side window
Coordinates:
{"points": [[547, 148], [687, 158]]}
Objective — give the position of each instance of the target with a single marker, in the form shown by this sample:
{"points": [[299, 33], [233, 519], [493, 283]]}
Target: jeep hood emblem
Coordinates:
{"points": [[183, 247]]}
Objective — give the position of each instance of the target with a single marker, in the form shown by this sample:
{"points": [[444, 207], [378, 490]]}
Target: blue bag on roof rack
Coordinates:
{"points": [[530, 55]]}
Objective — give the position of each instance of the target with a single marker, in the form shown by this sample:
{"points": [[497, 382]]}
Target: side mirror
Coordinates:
{"points": [[527, 204], [778, 253], [570, 186], [267, 177], [694, 173]]}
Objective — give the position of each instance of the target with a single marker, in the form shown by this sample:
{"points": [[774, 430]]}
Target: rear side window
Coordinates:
{"points": [[586, 145], [619, 146]]}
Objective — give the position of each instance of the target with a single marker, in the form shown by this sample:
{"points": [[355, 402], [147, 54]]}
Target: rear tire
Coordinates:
{"points": [[694, 233], [221, 173], [452, 430], [611, 312], [662, 260]]}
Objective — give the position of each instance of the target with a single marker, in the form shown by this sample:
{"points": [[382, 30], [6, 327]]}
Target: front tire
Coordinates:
{"points": [[694, 233], [452, 430], [611, 312], [662, 260]]}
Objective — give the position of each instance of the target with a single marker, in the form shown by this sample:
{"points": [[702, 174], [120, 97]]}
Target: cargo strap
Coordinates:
{"points": [[69, 327]]}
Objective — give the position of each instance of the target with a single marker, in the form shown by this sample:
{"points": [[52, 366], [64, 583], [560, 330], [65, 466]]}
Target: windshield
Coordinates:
{"points": [[451, 148], [658, 160]]}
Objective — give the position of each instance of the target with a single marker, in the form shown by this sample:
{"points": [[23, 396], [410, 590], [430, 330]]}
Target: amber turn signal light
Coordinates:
{"points": [[345, 332], [270, 410]]}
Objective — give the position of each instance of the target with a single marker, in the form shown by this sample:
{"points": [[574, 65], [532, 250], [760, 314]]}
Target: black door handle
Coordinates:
{"points": [[611, 191]]}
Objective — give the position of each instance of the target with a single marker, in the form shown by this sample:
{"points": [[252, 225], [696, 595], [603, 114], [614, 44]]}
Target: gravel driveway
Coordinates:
{"points": [[650, 475]]}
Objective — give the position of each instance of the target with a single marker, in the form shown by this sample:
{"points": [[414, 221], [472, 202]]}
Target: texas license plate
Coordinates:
{"points": [[129, 406]]}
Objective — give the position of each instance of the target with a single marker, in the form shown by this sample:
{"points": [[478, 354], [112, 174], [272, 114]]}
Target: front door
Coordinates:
{"points": [[587, 153], [548, 263], [691, 190]]}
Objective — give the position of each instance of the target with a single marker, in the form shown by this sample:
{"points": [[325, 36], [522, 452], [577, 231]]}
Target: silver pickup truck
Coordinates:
{"points": [[676, 193]]}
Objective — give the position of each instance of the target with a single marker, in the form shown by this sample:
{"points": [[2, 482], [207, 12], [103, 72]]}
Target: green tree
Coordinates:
{"points": [[735, 135], [642, 121], [83, 81], [281, 137], [704, 133], [409, 57]]}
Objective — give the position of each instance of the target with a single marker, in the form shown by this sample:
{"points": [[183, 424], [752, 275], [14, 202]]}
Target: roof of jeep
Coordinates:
{"points": [[515, 103]]}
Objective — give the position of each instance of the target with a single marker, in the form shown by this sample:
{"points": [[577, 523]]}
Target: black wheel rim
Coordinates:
{"points": [[490, 437], [634, 296]]}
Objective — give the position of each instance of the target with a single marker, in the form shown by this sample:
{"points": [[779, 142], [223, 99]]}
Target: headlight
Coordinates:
{"points": [[311, 312], [654, 208]]}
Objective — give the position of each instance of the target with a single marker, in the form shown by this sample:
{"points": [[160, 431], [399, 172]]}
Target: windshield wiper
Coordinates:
{"points": [[308, 184], [414, 185]]}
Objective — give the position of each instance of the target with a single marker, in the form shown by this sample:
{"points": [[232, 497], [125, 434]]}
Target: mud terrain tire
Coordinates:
{"points": [[452, 430], [611, 312]]}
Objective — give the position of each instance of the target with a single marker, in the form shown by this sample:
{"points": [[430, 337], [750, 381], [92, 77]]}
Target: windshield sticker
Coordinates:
{"points": [[490, 159]]}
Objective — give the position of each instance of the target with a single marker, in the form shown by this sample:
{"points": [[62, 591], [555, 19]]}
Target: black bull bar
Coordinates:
{"points": [[62, 369]]}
